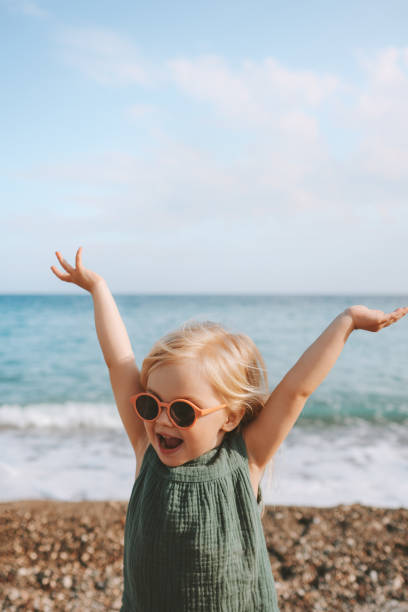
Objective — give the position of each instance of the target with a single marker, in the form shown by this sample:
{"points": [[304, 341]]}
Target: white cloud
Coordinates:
{"points": [[210, 79], [255, 92], [260, 93], [380, 113], [175, 182], [384, 92], [104, 56], [386, 160], [383, 70], [287, 166]]}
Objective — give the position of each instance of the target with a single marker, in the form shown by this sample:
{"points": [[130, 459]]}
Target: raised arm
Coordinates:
{"points": [[114, 342], [264, 435]]}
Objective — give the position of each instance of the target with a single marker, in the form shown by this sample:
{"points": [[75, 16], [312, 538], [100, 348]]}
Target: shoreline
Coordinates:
{"points": [[65, 556]]}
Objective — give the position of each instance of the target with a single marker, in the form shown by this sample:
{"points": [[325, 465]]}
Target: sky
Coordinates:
{"points": [[205, 147]]}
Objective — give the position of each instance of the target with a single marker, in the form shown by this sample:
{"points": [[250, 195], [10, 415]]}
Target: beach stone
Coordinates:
{"points": [[374, 576], [398, 582], [351, 558], [67, 582]]}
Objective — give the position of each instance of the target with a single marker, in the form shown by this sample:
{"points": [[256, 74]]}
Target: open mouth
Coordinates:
{"points": [[168, 443]]}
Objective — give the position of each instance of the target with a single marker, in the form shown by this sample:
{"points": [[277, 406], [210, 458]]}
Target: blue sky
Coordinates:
{"points": [[227, 147]]}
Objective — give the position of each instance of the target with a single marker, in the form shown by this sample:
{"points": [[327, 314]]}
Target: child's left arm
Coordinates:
{"points": [[265, 434]]}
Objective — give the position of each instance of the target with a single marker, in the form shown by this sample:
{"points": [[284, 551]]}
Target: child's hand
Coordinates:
{"points": [[374, 320], [79, 275]]}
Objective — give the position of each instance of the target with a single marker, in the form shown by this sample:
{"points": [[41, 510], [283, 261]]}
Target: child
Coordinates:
{"points": [[193, 536]]}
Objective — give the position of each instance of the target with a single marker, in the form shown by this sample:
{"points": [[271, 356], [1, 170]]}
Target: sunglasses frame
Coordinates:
{"points": [[198, 412]]}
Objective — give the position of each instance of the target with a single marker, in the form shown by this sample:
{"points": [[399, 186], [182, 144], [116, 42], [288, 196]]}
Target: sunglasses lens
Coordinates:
{"points": [[182, 414], [147, 407]]}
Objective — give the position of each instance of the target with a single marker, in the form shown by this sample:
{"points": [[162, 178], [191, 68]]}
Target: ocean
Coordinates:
{"points": [[61, 438]]}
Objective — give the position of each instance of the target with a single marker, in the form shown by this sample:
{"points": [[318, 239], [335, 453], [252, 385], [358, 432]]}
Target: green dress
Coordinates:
{"points": [[193, 537]]}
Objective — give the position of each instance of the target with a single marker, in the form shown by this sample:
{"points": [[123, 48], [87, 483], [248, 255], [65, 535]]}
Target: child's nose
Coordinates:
{"points": [[163, 417]]}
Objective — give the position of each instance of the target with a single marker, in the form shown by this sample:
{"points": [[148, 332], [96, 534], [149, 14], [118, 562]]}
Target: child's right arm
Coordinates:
{"points": [[114, 342], [264, 434]]}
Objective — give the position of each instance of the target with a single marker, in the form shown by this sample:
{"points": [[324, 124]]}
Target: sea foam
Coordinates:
{"points": [[67, 416]]}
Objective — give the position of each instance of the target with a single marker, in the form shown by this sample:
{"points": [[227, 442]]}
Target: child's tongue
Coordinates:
{"points": [[172, 442]]}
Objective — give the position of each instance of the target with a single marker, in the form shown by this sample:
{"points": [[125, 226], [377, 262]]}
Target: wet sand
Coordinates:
{"points": [[68, 556]]}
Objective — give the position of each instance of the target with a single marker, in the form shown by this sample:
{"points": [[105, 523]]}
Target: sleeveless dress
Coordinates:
{"points": [[194, 540]]}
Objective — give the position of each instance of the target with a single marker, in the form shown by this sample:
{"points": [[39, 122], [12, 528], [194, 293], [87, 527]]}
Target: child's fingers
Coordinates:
{"points": [[78, 258], [64, 277], [396, 315], [400, 312], [64, 263]]}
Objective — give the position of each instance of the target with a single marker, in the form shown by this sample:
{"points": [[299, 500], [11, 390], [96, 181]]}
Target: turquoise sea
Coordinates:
{"points": [[60, 436]]}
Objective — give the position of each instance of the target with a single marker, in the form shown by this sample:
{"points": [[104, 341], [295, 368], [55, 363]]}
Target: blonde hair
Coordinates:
{"points": [[231, 363]]}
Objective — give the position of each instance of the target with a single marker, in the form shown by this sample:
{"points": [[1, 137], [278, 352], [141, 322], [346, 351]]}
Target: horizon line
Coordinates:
{"points": [[211, 294]]}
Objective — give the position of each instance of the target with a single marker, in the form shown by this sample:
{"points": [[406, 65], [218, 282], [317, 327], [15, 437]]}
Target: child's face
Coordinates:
{"points": [[183, 380]]}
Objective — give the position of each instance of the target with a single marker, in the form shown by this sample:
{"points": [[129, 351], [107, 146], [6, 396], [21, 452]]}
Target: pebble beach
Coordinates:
{"points": [[67, 556]]}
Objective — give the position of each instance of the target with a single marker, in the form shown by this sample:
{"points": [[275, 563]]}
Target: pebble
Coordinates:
{"points": [[374, 576], [67, 582], [323, 559]]}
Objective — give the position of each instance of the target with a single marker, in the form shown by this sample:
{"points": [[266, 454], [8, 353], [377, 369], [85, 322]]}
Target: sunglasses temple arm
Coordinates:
{"points": [[205, 411]]}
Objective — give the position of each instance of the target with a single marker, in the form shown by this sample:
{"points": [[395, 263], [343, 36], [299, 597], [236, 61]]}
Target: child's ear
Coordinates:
{"points": [[233, 419]]}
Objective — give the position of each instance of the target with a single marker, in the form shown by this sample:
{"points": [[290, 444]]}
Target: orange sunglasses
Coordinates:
{"points": [[181, 412]]}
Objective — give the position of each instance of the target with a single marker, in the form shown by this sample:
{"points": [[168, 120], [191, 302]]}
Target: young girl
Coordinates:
{"points": [[203, 430]]}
